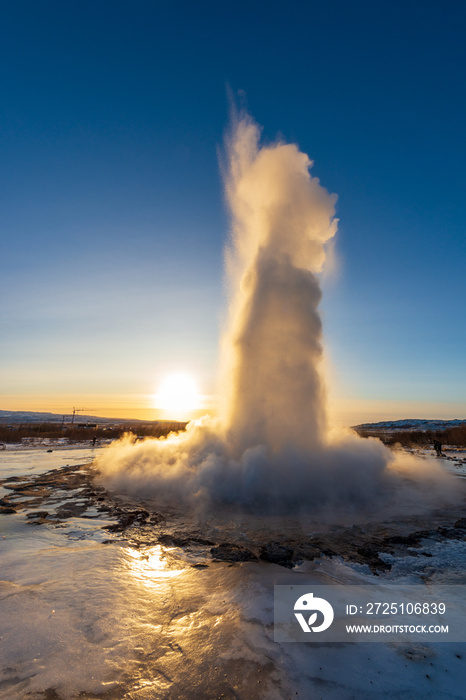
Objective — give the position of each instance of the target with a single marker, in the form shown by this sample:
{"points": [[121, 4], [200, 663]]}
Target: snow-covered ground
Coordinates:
{"points": [[83, 618]]}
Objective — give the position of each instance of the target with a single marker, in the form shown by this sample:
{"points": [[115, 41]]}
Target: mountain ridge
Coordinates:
{"points": [[45, 417], [422, 424]]}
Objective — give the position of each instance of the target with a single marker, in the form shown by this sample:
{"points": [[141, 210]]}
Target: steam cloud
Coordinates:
{"points": [[282, 218], [270, 447]]}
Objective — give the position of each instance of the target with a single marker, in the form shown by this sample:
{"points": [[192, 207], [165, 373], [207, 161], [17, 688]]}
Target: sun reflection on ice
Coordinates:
{"points": [[153, 564]]}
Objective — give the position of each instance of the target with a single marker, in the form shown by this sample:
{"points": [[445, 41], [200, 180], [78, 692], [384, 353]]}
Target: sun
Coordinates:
{"points": [[178, 394]]}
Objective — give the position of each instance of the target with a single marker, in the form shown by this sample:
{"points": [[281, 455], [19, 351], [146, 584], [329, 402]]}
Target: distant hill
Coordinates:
{"points": [[411, 424], [9, 417]]}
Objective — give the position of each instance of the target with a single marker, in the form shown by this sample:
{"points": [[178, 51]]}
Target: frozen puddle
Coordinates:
{"points": [[112, 621]]}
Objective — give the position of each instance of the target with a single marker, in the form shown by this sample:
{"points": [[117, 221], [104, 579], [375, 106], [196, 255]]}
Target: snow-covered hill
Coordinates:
{"points": [[411, 424], [7, 417]]}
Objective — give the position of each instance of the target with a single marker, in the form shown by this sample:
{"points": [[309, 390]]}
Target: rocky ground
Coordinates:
{"points": [[51, 498]]}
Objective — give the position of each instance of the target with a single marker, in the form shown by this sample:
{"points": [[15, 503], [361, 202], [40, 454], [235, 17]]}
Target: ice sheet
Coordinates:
{"points": [[115, 621]]}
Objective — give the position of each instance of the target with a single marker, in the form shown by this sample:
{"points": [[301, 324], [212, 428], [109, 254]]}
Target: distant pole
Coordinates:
{"points": [[78, 410]]}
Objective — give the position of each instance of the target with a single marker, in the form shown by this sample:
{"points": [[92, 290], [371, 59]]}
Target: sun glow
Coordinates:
{"points": [[178, 394]]}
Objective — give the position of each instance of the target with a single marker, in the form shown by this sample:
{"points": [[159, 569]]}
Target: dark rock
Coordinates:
{"points": [[39, 517], [5, 510], [127, 519], [156, 518], [71, 510], [141, 515], [447, 532], [305, 551], [232, 552], [182, 540], [368, 550], [277, 554], [369, 554], [461, 524], [19, 487], [172, 541], [104, 509], [401, 539], [201, 541], [116, 527]]}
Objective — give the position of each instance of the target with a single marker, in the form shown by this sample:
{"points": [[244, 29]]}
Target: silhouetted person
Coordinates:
{"points": [[438, 447], [93, 441]]}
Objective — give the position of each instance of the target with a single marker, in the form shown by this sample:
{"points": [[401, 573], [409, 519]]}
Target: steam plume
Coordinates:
{"points": [[270, 447], [282, 218]]}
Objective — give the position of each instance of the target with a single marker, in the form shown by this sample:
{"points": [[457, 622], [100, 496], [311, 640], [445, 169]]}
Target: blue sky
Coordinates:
{"points": [[113, 219]]}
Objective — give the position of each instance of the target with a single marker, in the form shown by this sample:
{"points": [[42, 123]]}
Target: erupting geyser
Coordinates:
{"points": [[282, 218], [270, 447]]}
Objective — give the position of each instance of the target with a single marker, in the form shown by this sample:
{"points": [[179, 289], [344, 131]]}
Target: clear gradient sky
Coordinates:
{"points": [[112, 214]]}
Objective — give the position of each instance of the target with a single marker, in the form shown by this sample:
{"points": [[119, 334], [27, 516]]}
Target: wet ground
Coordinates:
{"points": [[103, 597]]}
